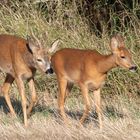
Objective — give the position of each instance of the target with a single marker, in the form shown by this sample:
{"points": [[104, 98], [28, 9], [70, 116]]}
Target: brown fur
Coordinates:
{"points": [[88, 69], [20, 59]]}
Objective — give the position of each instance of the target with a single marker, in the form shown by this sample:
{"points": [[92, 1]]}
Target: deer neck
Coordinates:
{"points": [[28, 58], [107, 63]]}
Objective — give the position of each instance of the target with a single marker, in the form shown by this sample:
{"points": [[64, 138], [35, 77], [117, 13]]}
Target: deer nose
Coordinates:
{"points": [[133, 68], [49, 71]]}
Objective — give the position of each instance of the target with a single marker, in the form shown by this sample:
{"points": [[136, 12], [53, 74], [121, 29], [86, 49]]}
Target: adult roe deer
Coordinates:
{"points": [[88, 69], [20, 59]]}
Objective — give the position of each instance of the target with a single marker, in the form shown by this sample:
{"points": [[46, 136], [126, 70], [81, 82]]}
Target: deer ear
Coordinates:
{"points": [[32, 47], [54, 46], [114, 44], [120, 40], [117, 41]]}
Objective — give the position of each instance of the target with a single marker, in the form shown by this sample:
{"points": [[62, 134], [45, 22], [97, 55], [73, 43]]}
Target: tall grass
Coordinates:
{"points": [[62, 19]]}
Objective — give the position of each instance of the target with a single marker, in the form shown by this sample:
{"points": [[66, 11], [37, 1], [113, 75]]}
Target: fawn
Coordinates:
{"points": [[19, 59], [88, 69]]}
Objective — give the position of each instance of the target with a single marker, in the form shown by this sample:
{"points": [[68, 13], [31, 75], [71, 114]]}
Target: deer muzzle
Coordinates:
{"points": [[49, 71], [133, 68]]}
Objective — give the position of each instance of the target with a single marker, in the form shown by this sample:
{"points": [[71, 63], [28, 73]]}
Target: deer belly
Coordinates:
{"points": [[94, 85], [72, 76]]}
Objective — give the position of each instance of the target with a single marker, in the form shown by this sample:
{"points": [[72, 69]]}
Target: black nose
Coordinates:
{"points": [[49, 71], [133, 68]]}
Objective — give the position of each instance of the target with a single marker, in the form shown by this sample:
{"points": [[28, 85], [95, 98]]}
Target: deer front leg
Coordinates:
{"points": [[84, 90], [21, 88], [5, 89], [61, 97], [33, 96], [68, 89], [97, 98]]}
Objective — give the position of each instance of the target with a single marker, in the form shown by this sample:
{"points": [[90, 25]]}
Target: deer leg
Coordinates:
{"points": [[61, 97], [33, 96], [5, 89], [21, 88], [84, 90], [97, 98], [68, 89]]}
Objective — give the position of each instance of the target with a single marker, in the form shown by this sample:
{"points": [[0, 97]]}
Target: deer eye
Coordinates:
{"points": [[123, 57], [39, 60]]}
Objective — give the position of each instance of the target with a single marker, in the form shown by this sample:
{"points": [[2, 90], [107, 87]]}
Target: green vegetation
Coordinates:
{"points": [[86, 25]]}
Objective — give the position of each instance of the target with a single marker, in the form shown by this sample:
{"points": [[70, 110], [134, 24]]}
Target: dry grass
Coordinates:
{"points": [[119, 122], [121, 103]]}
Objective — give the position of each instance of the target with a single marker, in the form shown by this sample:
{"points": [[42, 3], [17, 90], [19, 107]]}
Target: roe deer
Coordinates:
{"points": [[20, 59], [88, 69]]}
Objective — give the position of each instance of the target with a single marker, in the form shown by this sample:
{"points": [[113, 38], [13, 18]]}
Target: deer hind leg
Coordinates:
{"points": [[5, 89], [33, 96], [62, 83], [84, 90], [21, 88], [97, 98]]}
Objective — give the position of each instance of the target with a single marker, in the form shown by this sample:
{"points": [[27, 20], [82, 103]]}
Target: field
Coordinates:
{"points": [[120, 94]]}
